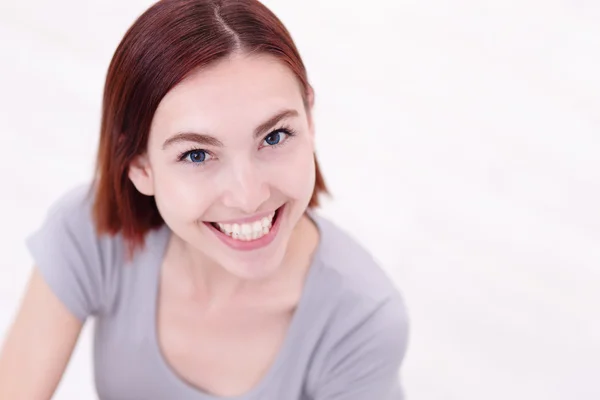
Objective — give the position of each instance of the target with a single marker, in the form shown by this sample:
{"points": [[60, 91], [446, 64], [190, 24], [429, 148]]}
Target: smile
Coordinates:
{"points": [[247, 231], [248, 234]]}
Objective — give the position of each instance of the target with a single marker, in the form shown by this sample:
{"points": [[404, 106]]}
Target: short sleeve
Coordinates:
{"points": [[69, 254], [365, 363]]}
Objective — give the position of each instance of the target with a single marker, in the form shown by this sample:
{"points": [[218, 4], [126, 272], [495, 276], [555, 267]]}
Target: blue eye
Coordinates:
{"points": [[197, 156], [274, 138], [278, 137]]}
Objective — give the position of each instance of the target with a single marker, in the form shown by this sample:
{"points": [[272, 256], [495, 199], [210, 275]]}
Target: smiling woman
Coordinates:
{"points": [[196, 247]]}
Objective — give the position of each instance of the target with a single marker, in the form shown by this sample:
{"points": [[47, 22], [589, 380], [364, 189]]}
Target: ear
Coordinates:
{"points": [[310, 98], [140, 174]]}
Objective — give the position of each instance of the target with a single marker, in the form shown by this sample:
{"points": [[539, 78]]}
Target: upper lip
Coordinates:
{"points": [[244, 220]]}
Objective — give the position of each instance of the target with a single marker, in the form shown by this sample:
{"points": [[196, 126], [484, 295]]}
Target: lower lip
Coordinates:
{"points": [[253, 244]]}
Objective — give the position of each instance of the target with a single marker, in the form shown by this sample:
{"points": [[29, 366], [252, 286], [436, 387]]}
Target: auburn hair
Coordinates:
{"points": [[163, 46]]}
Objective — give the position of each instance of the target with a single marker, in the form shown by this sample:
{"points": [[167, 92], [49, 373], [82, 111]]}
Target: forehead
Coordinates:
{"points": [[230, 95]]}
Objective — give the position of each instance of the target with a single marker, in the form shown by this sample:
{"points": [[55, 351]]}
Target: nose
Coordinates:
{"points": [[246, 188]]}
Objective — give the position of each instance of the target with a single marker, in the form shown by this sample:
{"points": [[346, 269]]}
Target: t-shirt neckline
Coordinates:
{"points": [[164, 235]]}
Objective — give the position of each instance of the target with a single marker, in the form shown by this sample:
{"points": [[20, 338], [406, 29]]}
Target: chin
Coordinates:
{"points": [[259, 264], [262, 258]]}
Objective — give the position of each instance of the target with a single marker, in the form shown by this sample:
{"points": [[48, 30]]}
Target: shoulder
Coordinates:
{"points": [[357, 271], [70, 219], [78, 264], [75, 205], [368, 323]]}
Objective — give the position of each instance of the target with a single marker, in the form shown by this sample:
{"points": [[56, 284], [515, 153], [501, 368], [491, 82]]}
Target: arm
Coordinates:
{"points": [[365, 363], [38, 345]]}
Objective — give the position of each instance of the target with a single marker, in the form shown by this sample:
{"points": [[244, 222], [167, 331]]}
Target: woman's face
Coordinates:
{"points": [[230, 146]]}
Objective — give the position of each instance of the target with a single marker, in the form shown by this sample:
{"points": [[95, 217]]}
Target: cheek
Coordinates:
{"points": [[295, 174], [182, 194]]}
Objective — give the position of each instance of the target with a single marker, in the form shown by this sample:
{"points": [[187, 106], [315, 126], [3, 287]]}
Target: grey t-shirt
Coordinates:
{"points": [[346, 341]]}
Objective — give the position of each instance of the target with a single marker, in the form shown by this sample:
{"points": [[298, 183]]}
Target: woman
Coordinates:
{"points": [[196, 249]]}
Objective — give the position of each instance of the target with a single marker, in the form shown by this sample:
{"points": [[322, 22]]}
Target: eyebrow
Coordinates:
{"points": [[204, 139]]}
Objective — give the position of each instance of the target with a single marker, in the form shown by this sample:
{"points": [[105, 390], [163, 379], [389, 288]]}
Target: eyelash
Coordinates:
{"points": [[285, 129]]}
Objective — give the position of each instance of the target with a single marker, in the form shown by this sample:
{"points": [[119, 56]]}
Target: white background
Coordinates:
{"points": [[461, 142]]}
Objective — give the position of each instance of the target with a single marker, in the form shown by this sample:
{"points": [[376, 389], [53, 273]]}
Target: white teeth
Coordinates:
{"points": [[246, 229], [225, 227], [250, 231]]}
